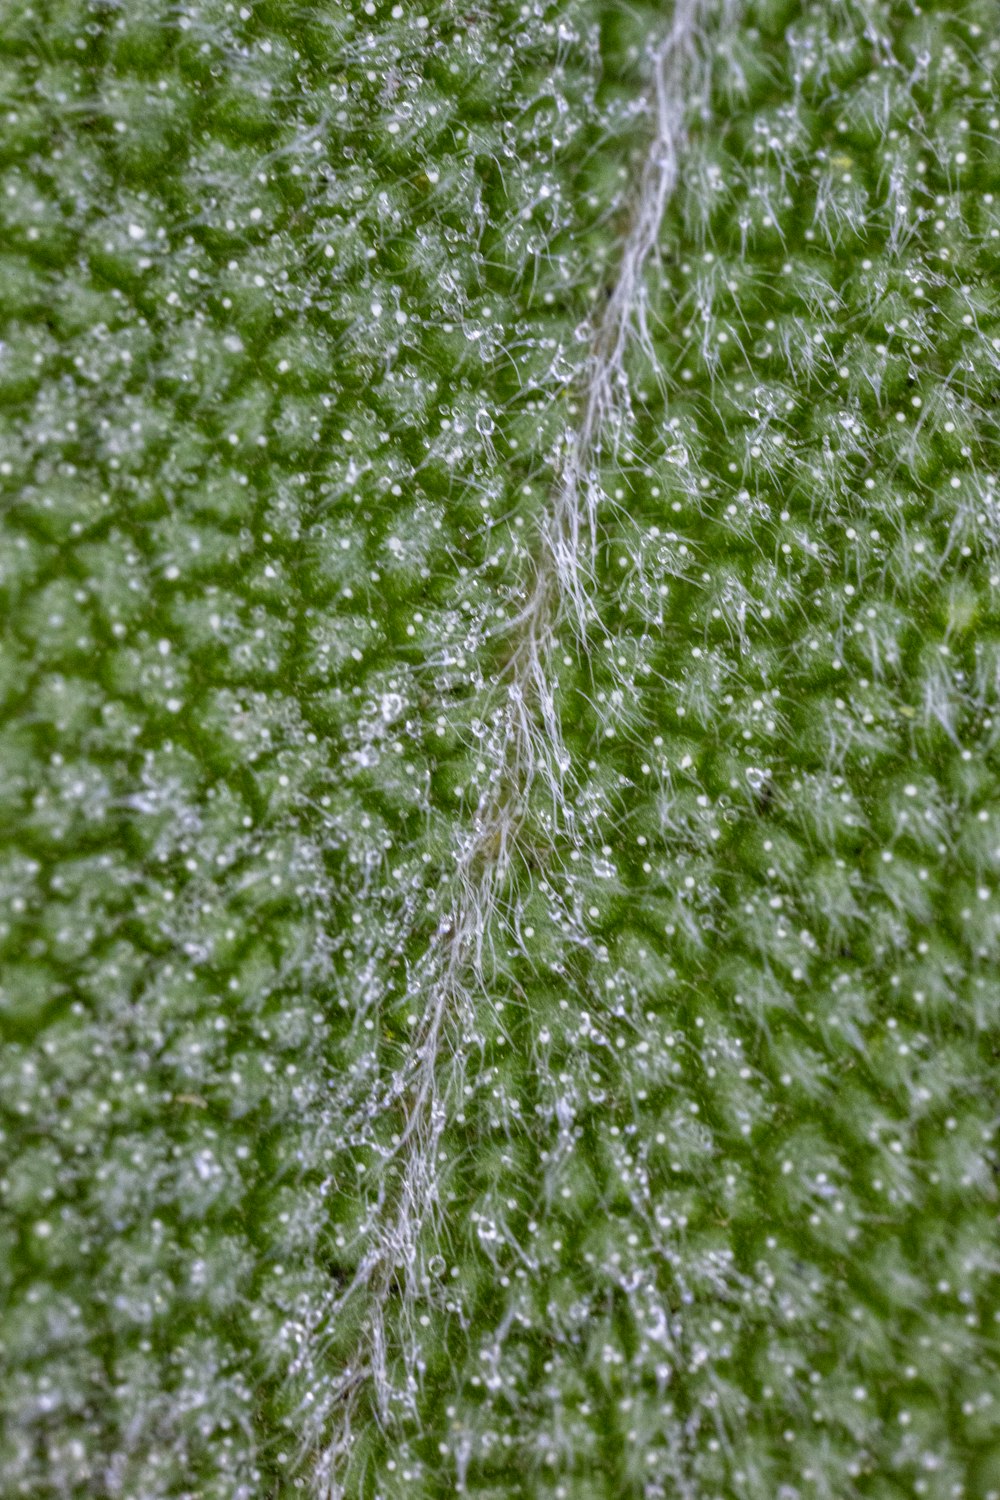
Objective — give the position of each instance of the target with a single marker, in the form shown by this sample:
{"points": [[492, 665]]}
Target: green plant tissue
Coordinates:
{"points": [[499, 749]]}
